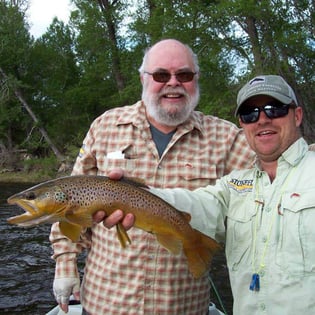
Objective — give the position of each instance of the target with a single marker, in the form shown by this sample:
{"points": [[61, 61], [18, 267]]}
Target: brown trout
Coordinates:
{"points": [[72, 201]]}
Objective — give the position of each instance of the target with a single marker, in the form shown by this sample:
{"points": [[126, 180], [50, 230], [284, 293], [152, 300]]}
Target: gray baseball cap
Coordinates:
{"points": [[272, 85]]}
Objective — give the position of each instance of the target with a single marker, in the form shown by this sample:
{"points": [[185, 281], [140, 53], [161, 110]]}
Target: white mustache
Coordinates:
{"points": [[169, 90]]}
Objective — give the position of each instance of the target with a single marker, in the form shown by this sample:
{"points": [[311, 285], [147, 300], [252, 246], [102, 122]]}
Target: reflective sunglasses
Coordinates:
{"points": [[272, 110], [165, 76]]}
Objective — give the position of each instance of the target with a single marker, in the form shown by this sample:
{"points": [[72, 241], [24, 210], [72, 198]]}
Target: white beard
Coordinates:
{"points": [[164, 117]]}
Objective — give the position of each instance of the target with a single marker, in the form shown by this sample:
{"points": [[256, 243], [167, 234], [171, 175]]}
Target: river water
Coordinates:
{"points": [[26, 269]]}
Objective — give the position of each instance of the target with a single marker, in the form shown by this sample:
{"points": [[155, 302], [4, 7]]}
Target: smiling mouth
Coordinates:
{"points": [[172, 95], [265, 133]]}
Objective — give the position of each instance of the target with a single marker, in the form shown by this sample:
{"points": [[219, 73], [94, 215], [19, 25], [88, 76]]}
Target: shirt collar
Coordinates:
{"points": [[134, 115], [293, 155]]}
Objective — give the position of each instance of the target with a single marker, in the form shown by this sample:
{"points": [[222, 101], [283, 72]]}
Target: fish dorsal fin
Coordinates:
{"points": [[122, 235], [134, 181], [170, 243], [80, 216], [70, 230]]}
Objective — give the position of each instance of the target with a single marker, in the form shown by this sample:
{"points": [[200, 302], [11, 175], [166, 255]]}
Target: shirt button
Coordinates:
{"points": [[264, 239], [262, 306]]}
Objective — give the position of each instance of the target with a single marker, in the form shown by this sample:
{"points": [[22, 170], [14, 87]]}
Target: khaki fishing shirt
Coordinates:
{"points": [[270, 232], [145, 278]]}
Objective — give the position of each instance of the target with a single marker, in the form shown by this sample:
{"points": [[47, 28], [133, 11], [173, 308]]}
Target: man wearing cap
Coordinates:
{"points": [[269, 209]]}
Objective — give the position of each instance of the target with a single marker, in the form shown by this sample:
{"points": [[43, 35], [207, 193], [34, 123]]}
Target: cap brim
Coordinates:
{"points": [[282, 98]]}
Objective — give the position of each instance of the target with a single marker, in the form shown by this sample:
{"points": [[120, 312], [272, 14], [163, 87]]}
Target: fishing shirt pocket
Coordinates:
{"points": [[241, 218], [197, 170], [117, 157], [132, 159], [296, 245]]}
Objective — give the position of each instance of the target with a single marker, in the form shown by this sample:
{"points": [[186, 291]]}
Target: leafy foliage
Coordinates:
{"points": [[74, 72]]}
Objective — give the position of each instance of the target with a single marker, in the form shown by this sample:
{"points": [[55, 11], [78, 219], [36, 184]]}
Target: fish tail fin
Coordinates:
{"points": [[199, 253]]}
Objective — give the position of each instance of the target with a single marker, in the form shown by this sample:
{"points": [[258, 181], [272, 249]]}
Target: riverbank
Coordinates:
{"points": [[28, 177]]}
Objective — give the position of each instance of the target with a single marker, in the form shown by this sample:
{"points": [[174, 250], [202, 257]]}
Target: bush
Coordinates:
{"points": [[44, 167]]}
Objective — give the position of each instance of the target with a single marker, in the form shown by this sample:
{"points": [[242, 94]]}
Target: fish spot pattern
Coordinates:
{"points": [[60, 196], [85, 190]]}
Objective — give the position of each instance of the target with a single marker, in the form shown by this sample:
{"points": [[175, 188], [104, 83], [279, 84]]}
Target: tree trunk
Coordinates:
{"points": [[42, 130], [107, 9]]}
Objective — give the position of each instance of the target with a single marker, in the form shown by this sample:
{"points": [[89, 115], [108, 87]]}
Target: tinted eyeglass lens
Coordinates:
{"points": [[249, 115], [185, 76], [163, 77], [275, 110]]}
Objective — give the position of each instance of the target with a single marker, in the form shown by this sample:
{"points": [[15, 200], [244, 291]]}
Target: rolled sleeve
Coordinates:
{"points": [[65, 252]]}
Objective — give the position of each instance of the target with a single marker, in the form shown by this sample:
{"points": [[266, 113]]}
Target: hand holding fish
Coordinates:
{"points": [[113, 219]]}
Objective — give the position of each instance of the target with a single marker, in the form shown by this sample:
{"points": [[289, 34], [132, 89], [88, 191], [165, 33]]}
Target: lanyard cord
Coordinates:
{"points": [[255, 280]]}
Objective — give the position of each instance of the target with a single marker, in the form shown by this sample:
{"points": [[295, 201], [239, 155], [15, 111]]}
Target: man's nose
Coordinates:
{"points": [[173, 80]]}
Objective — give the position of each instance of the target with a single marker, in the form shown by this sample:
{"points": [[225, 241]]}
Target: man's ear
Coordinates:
{"points": [[298, 112]]}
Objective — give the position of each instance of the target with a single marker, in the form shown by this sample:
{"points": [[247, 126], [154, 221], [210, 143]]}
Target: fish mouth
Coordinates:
{"points": [[32, 215]]}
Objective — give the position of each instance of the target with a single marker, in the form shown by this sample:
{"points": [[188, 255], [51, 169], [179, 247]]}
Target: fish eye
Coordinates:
{"points": [[30, 195]]}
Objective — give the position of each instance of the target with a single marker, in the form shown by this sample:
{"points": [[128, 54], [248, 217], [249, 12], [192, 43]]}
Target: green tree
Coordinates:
{"points": [[75, 72], [14, 47], [18, 118], [54, 76]]}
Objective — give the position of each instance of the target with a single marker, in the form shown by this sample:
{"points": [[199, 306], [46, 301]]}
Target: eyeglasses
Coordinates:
{"points": [[272, 110], [165, 76]]}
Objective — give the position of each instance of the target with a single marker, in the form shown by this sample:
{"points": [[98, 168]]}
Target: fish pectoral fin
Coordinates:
{"points": [[170, 243], [70, 230], [122, 235], [80, 216]]}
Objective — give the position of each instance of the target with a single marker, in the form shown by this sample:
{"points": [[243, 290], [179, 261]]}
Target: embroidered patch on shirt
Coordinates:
{"points": [[241, 186], [81, 152]]}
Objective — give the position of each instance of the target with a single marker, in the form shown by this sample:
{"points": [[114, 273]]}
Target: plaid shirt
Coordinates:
{"points": [[145, 278]]}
